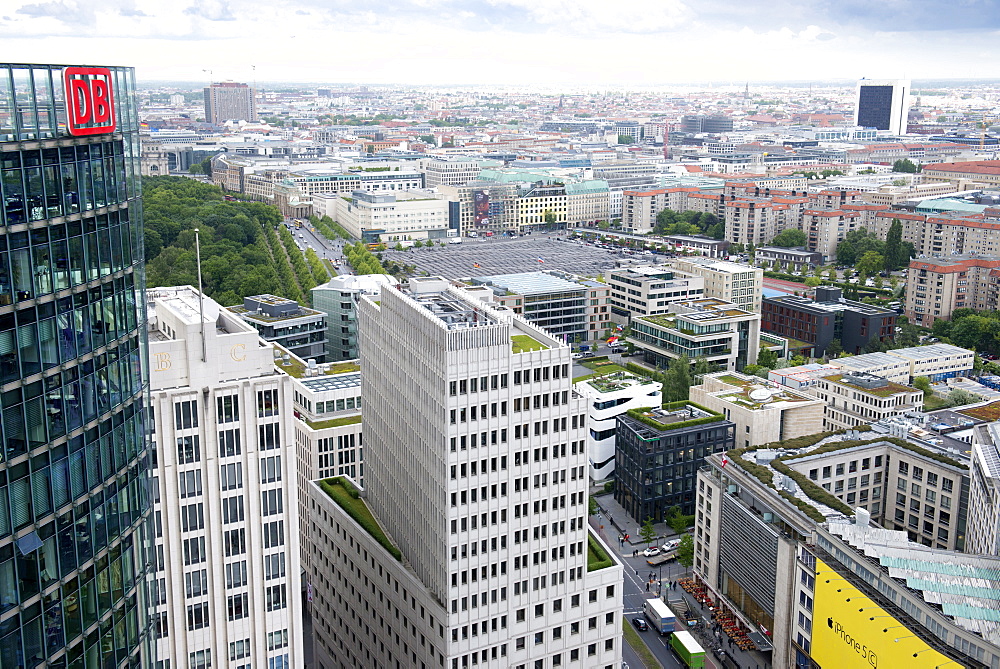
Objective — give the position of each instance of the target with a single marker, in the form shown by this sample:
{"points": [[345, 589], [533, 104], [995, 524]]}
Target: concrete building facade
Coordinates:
{"points": [[474, 488], [738, 284], [299, 330], [338, 298], [226, 516], [649, 291], [229, 100]]}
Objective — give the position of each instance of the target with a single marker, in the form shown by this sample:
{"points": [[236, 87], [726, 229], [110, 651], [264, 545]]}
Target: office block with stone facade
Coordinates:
{"points": [[648, 291], [476, 545], [298, 329], [983, 529], [226, 581], [763, 411], [856, 398], [739, 284]]}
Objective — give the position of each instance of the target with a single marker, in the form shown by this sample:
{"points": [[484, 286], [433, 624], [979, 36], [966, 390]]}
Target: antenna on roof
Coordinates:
{"points": [[201, 296]]}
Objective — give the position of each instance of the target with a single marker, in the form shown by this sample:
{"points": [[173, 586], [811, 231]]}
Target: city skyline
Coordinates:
{"points": [[499, 41]]}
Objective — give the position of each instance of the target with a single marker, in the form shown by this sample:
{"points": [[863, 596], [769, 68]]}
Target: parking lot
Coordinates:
{"points": [[495, 255]]}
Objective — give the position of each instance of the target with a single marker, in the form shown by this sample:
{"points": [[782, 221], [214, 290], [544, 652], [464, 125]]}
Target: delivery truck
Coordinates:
{"points": [[688, 650], [660, 617]]}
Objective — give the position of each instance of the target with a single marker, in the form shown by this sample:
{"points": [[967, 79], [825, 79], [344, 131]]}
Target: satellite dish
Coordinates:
{"points": [[760, 395]]}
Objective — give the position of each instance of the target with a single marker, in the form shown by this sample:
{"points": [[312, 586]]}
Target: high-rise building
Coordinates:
{"points": [[299, 330], [73, 461], [337, 298], [469, 544], [225, 590], [230, 101], [883, 104]]}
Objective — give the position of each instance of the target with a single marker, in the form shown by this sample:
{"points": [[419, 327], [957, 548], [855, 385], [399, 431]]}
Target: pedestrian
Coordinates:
{"points": [[647, 587], [636, 572]]}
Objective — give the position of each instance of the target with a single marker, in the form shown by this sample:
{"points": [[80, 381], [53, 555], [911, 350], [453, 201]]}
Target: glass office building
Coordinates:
{"points": [[74, 461]]}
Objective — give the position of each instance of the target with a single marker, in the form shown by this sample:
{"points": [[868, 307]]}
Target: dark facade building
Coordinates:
{"points": [[74, 465], [657, 457], [830, 316], [298, 329], [716, 124]]}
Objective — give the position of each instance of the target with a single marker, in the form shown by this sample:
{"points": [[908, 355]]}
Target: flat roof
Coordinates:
{"points": [[530, 283], [332, 381], [930, 351]]}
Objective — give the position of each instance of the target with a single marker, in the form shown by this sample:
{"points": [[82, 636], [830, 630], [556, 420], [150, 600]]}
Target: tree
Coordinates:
{"points": [[427, 139], [195, 168], [870, 263], [959, 397], [894, 246], [789, 237], [832, 274], [798, 360], [603, 225], [591, 505], [702, 366], [677, 521], [813, 281], [756, 370], [834, 348], [905, 165], [767, 358], [646, 532], [677, 380], [549, 216], [922, 383], [685, 551]]}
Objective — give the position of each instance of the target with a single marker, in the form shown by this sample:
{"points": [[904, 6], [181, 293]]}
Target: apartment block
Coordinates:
{"points": [[856, 398], [826, 228], [640, 207], [752, 221], [226, 541], [983, 530], [659, 451], [649, 291], [762, 411], [731, 282], [938, 286], [475, 460], [610, 396], [707, 328], [985, 172]]}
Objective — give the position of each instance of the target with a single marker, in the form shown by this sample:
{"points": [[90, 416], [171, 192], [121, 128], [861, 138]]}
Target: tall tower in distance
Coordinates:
{"points": [[229, 100], [883, 104], [73, 450], [470, 543]]}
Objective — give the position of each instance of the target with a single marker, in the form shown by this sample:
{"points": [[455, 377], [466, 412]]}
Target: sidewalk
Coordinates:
{"points": [[617, 521]]}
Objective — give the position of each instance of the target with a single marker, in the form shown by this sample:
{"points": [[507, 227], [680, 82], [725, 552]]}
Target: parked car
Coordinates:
{"points": [[651, 551], [671, 544], [640, 624]]}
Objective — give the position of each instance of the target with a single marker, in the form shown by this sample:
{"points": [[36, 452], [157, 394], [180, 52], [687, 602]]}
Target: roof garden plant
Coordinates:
{"points": [[347, 496]]}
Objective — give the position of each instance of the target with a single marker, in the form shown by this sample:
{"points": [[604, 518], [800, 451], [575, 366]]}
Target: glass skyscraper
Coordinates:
{"points": [[73, 462]]}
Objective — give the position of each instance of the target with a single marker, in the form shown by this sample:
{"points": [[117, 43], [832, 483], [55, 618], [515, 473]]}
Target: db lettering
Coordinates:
{"points": [[90, 102]]}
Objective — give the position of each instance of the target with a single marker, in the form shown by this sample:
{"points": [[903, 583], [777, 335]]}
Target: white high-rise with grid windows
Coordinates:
{"points": [[225, 588], [476, 553]]}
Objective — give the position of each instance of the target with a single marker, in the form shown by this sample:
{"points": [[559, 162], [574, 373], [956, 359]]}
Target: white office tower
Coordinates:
{"points": [[225, 592], [476, 471], [883, 104], [982, 534]]}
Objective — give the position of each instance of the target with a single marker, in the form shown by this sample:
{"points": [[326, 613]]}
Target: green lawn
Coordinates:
{"points": [[333, 422], [523, 343], [340, 491], [596, 557], [641, 649]]}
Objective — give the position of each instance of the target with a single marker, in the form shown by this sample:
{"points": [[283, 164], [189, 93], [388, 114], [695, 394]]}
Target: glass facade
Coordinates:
{"points": [[73, 381]]}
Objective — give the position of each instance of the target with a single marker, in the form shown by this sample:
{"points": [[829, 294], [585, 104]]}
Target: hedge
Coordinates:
{"points": [[346, 495], [596, 557], [803, 506], [669, 406]]}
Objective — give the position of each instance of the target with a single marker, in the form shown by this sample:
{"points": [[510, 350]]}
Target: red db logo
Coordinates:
{"points": [[90, 100]]}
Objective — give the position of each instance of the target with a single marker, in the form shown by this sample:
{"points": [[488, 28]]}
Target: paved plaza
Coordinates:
{"points": [[507, 256]]}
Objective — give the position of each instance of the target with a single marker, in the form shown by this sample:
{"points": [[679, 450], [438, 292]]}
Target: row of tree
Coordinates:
{"points": [[670, 222], [238, 259], [362, 260], [329, 227]]}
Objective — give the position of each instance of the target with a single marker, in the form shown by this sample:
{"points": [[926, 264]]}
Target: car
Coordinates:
{"points": [[615, 350], [640, 624], [577, 356], [651, 551], [671, 544]]}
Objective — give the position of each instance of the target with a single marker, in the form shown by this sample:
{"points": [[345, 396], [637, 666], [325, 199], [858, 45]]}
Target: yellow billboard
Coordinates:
{"points": [[850, 631]]}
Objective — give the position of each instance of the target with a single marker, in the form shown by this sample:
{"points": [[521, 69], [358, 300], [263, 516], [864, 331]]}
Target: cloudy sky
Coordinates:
{"points": [[585, 42]]}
